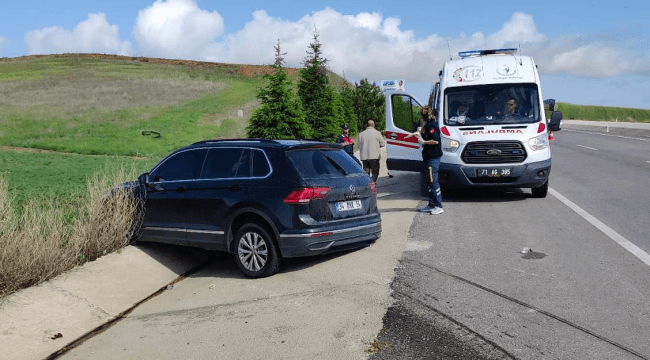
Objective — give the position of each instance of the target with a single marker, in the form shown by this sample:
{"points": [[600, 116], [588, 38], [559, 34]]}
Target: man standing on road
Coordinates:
{"points": [[370, 140], [429, 137]]}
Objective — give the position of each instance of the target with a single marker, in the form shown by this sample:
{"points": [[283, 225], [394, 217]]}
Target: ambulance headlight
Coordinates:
{"points": [[539, 142], [449, 145]]}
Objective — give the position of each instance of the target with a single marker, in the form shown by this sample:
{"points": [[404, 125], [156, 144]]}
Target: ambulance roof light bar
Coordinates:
{"points": [[464, 54]]}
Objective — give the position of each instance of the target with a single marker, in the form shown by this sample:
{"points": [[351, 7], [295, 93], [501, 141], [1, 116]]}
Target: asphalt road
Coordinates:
{"points": [[461, 287], [469, 292], [609, 177]]}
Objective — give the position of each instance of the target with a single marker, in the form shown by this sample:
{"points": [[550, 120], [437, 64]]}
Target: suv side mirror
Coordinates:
{"points": [[144, 179]]}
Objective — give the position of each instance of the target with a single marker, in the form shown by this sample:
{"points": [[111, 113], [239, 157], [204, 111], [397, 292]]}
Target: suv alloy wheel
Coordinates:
{"points": [[255, 253]]}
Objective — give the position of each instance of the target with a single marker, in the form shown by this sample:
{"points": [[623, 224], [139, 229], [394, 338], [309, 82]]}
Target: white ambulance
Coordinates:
{"points": [[492, 122]]}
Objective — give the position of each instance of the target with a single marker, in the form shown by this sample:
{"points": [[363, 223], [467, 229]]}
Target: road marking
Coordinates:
{"points": [[587, 147], [626, 244]]}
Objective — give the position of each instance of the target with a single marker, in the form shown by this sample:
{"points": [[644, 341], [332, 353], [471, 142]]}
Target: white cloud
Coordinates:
{"points": [[93, 35], [591, 60], [521, 29], [176, 29], [3, 42], [362, 45]]}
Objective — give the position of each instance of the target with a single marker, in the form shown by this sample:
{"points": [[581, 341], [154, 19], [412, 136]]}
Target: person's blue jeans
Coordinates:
{"points": [[431, 168]]}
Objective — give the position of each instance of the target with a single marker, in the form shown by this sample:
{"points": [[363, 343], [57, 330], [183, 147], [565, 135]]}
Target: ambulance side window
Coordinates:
{"points": [[406, 112]]}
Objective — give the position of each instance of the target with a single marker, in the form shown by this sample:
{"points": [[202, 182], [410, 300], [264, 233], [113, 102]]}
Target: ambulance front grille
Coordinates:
{"points": [[494, 152]]}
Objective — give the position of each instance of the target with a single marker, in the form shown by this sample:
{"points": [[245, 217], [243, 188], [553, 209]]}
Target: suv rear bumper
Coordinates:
{"points": [[317, 241], [522, 175]]}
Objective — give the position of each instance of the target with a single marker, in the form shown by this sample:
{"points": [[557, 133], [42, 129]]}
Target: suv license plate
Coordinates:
{"points": [[348, 205], [493, 172]]}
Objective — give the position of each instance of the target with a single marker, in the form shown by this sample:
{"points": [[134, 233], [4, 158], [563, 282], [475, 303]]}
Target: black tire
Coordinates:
{"points": [[540, 192], [255, 253]]}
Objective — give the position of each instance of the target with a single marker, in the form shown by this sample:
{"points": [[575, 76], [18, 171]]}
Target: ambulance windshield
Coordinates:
{"points": [[492, 104]]}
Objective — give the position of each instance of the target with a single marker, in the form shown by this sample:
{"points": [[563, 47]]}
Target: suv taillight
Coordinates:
{"points": [[304, 195], [373, 187]]}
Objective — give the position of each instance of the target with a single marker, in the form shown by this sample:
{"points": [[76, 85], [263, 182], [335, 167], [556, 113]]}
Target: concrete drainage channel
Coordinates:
{"points": [[100, 329]]}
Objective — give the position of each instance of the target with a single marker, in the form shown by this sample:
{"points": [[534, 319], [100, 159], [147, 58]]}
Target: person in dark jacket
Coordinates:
{"points": [[346, 140], [429, 137]]}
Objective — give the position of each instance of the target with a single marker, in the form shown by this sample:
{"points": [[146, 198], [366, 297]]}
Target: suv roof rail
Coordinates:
{"points": [[267, 141], [464, 54], [231, 140]]}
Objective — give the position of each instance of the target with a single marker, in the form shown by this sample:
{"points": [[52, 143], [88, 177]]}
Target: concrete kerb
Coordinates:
{"points": [[641, 130], [43, 319]]}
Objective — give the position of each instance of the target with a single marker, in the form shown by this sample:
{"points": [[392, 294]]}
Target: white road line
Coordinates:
{"points": [[587, 147], [635, 250]]}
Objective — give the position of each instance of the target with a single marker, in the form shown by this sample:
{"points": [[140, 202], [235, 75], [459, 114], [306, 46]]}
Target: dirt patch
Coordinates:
{"points": [[245, 70], [56, 98]]}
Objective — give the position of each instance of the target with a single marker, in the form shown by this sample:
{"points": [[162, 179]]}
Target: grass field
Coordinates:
{"points": [[34, 175], [98, 106], [603, 113]]}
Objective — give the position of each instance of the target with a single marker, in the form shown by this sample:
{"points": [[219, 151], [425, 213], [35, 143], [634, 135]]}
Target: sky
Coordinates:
{"points": [[589, 53]]}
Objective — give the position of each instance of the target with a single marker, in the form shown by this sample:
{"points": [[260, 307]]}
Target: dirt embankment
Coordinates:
{"points": [[245, 70]]}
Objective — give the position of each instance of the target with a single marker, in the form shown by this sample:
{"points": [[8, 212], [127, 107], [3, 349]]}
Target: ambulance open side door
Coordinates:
{"points": [[402, 119]]}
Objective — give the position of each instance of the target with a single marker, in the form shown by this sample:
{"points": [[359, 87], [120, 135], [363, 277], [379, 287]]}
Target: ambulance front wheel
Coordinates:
{"points": [[540, 192]]}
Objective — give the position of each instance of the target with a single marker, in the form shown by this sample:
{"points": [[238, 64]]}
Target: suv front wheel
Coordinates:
{"points": [[255, 253]]}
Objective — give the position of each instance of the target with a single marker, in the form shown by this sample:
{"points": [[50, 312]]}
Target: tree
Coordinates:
{"points": [[369, 103], [280, 115], [279, 55], [320, 101], [349, 113]]}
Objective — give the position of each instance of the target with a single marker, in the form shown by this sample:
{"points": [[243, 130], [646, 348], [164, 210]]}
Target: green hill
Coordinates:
{"points": [[116, 105]]}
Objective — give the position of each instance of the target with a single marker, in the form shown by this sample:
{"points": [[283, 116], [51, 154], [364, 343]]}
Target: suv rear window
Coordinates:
{"points": [[318, 163]]}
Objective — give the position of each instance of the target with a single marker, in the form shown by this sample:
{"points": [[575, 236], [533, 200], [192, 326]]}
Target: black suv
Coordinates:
{"points": [[261, 200]]}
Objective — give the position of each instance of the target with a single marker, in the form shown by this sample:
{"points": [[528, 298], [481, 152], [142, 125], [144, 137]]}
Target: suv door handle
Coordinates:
{"points": [[181, 189], [393, 136], [235, 187]]}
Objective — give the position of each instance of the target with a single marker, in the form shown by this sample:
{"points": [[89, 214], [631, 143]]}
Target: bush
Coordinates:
{"points": [[49, 237]]}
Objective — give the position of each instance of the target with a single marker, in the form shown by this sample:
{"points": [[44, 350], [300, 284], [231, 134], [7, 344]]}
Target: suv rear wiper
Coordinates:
{"points": [[336, 165]]}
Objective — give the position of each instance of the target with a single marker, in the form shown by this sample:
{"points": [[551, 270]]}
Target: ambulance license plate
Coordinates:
{"points": [[494, 172]]}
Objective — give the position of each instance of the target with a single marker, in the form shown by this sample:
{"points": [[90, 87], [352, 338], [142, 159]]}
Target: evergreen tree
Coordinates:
{"points": [[369, 103], [320, 101], [280, 115], [349, 113], [279, 55]]}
